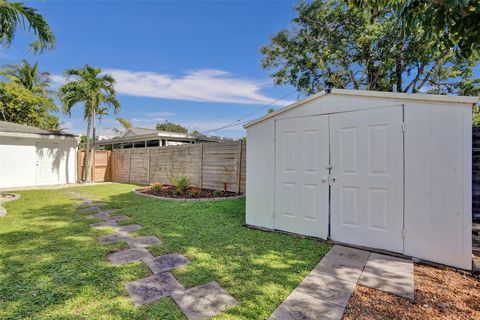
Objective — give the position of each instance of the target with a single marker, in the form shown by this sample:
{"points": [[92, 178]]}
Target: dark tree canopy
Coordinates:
{"points": [[172, 127], [332, 44]]}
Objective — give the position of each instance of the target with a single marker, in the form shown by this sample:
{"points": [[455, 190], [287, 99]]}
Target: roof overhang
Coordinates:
{"points": [[38, 136], [371, 94]]}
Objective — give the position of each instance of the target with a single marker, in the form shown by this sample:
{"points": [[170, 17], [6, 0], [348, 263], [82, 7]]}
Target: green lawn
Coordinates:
{"points": [[51, 266]]}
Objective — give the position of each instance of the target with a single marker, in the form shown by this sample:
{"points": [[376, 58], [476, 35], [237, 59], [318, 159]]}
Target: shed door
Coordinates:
{"points": [[47, 163], [367, 178], [301, 186]]}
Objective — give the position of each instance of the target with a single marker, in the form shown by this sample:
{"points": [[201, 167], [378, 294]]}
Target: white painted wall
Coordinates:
{"points": [[18, 160], [438, 162], [437, 186], [260, 175]]}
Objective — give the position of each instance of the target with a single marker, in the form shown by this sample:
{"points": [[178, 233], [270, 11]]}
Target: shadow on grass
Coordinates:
{"points": [[52, 266]]}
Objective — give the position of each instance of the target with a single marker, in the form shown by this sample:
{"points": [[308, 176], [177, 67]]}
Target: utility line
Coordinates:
{"points": [[238, 121]]}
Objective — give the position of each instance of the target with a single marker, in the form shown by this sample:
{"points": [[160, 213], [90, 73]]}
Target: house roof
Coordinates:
{"points": [[138, 134], [12, 127], [372, 94]]}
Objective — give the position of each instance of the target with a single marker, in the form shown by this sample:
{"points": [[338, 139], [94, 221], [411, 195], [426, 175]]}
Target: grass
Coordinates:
{"points": [[51, 266]]}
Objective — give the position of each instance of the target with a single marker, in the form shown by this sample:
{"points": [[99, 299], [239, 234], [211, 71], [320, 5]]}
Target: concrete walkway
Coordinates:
{"points": [[197, 303], [325, 292]]}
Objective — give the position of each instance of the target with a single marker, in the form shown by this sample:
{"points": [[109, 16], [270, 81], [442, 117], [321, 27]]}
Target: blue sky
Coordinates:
{"points": [[196, 63]]}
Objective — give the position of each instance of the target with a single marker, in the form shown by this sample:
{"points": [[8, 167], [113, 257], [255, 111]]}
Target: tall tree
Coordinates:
{"points": [[25, 97], [454, 23], [28, 76], [14, 15], [333, 45], [88, 86], [172, 127]]}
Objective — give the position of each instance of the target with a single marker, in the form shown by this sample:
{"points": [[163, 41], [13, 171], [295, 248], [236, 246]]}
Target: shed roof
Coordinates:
{"points": [[372, 94], [12, 127]]}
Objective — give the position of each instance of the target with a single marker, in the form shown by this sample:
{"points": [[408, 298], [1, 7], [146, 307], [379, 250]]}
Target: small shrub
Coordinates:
{"points": [[156, 186], [194, 193], [181, 183], [217, 193]]}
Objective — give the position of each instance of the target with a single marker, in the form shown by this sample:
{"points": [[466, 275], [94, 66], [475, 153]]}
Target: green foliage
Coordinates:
{"points": [[333, 45], [20, 105], [181, 183], [28, 76], [454, 23], [156, 186], [14, 15], [125, 123], [217, 193], [172, 127]]}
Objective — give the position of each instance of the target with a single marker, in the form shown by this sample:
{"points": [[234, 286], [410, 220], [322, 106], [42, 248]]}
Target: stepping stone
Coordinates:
{"points": [[389, 274], [343, 263], [117, 218], [129, 255], [128, 228], [106, 224], [329, 289], [91, 208], [166, 262], [107, 211], [142, 242], [100, 215], [78, 199], [153, 288], [112, 238], [204, 301], [301, 306]]}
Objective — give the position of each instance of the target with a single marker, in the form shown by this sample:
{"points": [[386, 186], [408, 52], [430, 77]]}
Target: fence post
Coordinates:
{"points": [[201, 165], [148, 165], [239, 167], [129, 163]]}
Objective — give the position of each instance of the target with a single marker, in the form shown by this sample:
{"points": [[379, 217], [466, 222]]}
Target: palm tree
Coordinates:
{"points": [[96, 91], [16, 14], [28, 76]]}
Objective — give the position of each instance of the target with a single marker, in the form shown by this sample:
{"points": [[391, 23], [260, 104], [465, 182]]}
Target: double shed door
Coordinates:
{"points": [[341, 175]]}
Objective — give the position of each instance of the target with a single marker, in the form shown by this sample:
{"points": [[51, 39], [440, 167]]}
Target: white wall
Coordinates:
{"points": [[18, 161], [437, 173], [438, 162], [260, 175]]}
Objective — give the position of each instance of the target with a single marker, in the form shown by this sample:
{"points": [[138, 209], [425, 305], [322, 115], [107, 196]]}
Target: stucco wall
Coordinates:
{"points": [[18, 161]]}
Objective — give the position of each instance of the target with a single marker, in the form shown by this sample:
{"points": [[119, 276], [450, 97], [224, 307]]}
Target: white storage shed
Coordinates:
{"points": [[389, 171], [31, 156]]}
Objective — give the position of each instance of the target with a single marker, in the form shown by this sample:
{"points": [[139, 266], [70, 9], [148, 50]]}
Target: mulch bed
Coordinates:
{"points": [[190, 193], [440, 293]]}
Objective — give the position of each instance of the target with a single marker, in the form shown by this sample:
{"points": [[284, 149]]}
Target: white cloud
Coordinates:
{"points": [[207, 85]]}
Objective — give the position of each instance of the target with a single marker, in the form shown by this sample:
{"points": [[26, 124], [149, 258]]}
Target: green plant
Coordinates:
{"points": [[181, 183], [156, 186], [217, 193]]}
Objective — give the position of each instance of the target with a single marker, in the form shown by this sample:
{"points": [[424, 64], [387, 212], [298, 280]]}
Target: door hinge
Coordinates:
{"points": [[403, 126], [403, 233]]}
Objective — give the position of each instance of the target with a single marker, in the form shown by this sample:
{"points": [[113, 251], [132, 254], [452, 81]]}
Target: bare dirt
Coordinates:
{"points": [[440, 293]]}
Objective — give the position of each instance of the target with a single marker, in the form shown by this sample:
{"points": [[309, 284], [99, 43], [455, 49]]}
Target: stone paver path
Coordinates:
{"points": [[204, 301], [390, 274], [199, 302], [325, 292]]}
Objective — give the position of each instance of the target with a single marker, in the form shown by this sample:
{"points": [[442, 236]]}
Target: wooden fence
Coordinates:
{"points": [[218, 166], [101, 165]]}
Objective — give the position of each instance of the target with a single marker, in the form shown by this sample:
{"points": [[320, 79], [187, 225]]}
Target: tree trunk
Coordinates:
{"points": [[87, 152], [398, 73], [92, 146]]}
